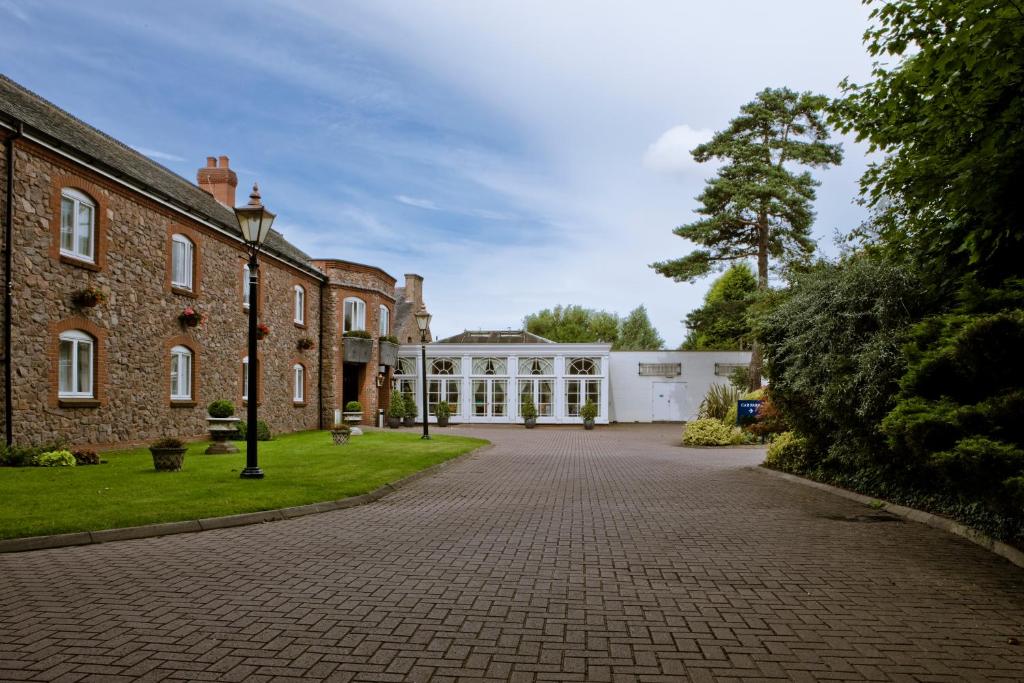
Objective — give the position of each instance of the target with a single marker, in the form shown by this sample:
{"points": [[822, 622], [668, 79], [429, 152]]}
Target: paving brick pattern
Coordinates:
{"points": [[611, 555]]}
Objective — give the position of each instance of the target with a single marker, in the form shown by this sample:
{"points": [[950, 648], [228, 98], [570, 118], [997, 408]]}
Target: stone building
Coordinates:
{"points": [[87, 218]]}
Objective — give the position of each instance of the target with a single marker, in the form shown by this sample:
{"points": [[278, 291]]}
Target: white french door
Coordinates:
{"points": [[542, 391], [490, 398]]}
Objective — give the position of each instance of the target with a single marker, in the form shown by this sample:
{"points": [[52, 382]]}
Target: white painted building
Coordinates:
{"points": [[484, 376]]}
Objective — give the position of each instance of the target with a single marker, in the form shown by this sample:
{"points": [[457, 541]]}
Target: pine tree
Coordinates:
{"points": [[637, 333]]}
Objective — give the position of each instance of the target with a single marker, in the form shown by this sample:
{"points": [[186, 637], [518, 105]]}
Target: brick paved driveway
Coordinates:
{"points": [[558, 555]]}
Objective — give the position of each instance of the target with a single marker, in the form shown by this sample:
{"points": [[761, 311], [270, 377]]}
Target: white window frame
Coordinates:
{"points": [[78, 200], [300, 304], [358, 314], [245, 286], [182, 356], [299, 379], [188, 250], [385, 321], [245, 378], [77, 338]]}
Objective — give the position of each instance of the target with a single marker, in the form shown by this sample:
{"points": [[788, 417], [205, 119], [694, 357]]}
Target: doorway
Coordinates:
{"points": [[668, 401], [351, 382]]}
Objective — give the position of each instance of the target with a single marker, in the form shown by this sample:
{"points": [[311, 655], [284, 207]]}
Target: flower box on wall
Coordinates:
{"points": [[358, 350], [388, 353]]}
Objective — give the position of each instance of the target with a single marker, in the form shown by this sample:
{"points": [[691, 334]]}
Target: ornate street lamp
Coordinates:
{"points": [[423, 322], [255, 222]]}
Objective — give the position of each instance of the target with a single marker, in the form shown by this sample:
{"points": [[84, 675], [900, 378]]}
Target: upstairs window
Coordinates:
{"points": [[76, 364], [245, 286], [77, 225], [300, 305], [181, 374], [355, 314], [385, 321], [182, 262]]}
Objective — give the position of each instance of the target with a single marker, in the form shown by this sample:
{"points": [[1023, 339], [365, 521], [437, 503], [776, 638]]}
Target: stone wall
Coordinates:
{"points": [[138, 323]]}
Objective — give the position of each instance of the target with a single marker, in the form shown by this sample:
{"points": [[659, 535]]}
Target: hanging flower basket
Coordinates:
{"points": [[305, 344], [88, 297], [262, 331], [190, 317]]}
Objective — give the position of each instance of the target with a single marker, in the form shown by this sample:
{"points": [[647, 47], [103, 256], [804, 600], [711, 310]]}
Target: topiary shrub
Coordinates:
{"points": [[411, 409], [353, 407], [707, 432], [262, 431], [397, 406], [787, 452], [588, 411], [55, 459], [221, 409]]}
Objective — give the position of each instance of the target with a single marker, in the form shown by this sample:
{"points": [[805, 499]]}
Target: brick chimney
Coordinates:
{"points": [[219, 180], [414, 288]]}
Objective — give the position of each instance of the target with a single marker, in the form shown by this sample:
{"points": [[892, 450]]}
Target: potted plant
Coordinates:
{"points": [[262, 331], [588, 412], [222, 425], [305, 344], [396, 411], [168, 454], [529, 412], [443, 412], [411, 412], [389, 350], [88, 297], [340, 432], [358, 346], [190, 317]]}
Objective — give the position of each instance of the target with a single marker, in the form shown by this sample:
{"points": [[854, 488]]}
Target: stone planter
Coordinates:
{"points": [[168, 459], [353, 420], [358, 350], [530, 422], [222, 431], [442, 421], [409, 421], [588, 423], [394, 422], [388, 354], [340, 436]]}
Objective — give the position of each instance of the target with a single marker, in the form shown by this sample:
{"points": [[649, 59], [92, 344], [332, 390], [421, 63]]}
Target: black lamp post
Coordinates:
{"points": [[255, 222], [423, 322]]}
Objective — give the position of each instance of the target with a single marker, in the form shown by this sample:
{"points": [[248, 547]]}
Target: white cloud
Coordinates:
{"points": [[671, 153], [157, 154], [417, 202]]}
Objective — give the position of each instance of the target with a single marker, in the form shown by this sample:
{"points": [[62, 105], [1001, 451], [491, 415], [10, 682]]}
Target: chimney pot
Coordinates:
{"points": [[223, 162], [220, 181], [211, 162]]}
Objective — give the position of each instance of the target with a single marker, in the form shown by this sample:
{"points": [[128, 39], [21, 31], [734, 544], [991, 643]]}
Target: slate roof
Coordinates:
{"points": [[74, 135], [495, 337]]}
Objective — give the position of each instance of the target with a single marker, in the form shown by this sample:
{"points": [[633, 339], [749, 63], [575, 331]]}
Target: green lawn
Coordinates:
{"points": [[126, 491]]}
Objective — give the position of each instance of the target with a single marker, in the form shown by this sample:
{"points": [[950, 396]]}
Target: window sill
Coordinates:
{"points": [[180, 291], [80, 263], [78, 402], [299, 325], [298, 404], [183, 403]]}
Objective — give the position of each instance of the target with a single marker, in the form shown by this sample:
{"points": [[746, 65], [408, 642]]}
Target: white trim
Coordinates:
{"points": [[384, 323], [358, 321], [299, 383], [77, 338], [300, 304], [181, 354], [78, 200], [183, 273], [245, 286]]}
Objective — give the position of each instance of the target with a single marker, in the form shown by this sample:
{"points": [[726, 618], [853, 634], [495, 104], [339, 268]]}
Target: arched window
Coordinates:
{"points": [[385, 321], [445, 366], [300, 305], [490, 366], [77, 225], [299, 379], [406, 366], [181, 374], [182, 262], [76, 365], [583, 366], [245, 286], [536, 366], [355, 314]]}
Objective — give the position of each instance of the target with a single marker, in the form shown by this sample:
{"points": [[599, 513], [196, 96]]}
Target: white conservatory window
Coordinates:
{"points": [[490, 366], [299, 377], [536, 366], [578, 392], [542, 391], [406, 366], [181, 374], [182, 262], [385, 321], [583, 366], [77, 225], [76, 365], [443, 390], [300, 305], [446, 366], [355, 314]]}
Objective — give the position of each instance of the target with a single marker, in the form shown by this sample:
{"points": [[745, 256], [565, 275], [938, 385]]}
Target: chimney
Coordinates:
{"points": [[219, 180], [414, 288]]}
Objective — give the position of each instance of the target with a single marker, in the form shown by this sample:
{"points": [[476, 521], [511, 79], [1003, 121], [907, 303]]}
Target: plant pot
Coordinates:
{"points": [[358, 350], [588, 423], [409, 421], [388, 354], [168, 459], [222, 430], [340, 436], [442, 421], [530, 422], [394, 422]]}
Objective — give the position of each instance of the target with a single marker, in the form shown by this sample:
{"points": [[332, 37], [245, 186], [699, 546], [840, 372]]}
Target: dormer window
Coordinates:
{"points": [[77, 225]]}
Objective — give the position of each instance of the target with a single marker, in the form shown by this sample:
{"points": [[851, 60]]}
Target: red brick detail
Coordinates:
{"points": [[192, 345], [99, 370], [100, 222], [197, 257]]}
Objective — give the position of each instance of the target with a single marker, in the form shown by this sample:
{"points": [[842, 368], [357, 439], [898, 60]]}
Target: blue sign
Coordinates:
{"points": [[746, 411]]}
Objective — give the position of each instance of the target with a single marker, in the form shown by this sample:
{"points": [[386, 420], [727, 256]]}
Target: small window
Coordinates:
{"points": [[385, 321], [489, 366], [536, 366], [77, 225], [445, 366], [299, 377], [300, 305], [245, 378], [406, 366], [355, 314], [583, 366], [182, 262], [76, 365], [245, 286], [181, 374]]}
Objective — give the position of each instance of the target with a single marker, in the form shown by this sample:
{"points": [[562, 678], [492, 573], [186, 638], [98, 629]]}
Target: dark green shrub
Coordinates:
{"points": [[588, 411], [168, 442], [221, 408], [397, 406], [528, 409], [358, 334], [411, 409], [390, 338], [443, 409], [353, 407], [86, 457], [262, 431]]}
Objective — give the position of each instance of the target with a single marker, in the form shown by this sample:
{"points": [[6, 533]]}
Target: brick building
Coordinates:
{"points": [[84, 213]]}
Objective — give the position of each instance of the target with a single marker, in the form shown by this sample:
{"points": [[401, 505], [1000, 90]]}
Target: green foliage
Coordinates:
{"points": [[353, 407], [944, 112], [169, 442], [86, 457], [717, 402], [25, 456], [341, 427], [411, 409], [708, 432], [443, 409], [221, 408], [55, 459], [636, 333], [262, 431], [527, 408], [588, 411], [787, 452], [739, 378], [572, 324], [390, 338], [397, 406], [358, 334], [723, 322]]}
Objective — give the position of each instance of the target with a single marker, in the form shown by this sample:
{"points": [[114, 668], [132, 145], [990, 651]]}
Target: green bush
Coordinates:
{"points": [[262, 431], [168, 442], [527, 409], [55, 459], [390, 338], [443, 409], [739, 378], [221, 408], [716, 404], [411, 409], [353, 407], [708, 432], [397, 406], [787, 452], [588, 411], [358, 334]]}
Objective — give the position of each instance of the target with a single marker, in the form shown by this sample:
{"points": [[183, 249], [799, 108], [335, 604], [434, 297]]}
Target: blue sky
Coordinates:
{"points": [[516, 154]]}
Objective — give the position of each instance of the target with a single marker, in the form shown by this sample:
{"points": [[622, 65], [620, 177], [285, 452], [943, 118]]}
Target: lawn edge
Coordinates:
{"points": [[28, 543], [950, 526]]}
